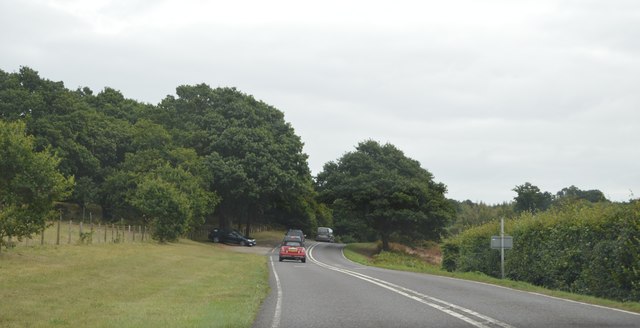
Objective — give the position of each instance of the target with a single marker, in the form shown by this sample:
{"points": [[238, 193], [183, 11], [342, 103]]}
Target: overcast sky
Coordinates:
{"points": [[486, 95]]}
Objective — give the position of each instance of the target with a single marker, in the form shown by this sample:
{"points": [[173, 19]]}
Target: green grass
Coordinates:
{"points": [[268, 238], [367, 254], [185, 284]]}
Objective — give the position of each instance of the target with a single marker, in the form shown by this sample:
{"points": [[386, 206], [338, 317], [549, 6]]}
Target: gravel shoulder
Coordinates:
{"points": [[260, 250]]}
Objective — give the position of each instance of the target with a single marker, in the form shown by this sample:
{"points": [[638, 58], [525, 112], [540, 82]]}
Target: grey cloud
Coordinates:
{"points": [[545, 93]]}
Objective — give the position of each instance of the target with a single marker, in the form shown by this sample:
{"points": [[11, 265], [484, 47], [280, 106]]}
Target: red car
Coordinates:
{"points": [[293, 250]]}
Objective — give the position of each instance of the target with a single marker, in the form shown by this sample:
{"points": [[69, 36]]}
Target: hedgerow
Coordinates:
{"points": [[580, 247]]}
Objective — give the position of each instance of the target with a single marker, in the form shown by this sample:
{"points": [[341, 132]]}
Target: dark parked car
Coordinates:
{"points": [[230, 236], [295, 234], [325, 234]]}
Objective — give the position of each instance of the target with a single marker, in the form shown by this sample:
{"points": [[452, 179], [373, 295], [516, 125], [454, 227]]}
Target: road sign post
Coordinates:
{"points": [[501, 242]]}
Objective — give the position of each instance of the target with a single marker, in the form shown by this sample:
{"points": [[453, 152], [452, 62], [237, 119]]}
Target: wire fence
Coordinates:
{"points": [[69, 232]]}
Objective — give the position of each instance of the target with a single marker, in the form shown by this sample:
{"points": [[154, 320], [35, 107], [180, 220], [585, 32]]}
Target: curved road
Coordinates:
{"points": [[331, 291]]}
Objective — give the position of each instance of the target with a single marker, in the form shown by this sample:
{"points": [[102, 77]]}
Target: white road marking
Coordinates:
{"points": [[444, 306], [276, 317], [523, 291], [582, 303]]}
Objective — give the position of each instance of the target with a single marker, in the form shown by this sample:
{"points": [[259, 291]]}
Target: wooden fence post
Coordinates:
{"points": [[58, 230], [91, 222], [70, 231]]}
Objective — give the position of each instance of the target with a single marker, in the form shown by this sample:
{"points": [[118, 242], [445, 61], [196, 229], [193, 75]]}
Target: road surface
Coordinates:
{"points": [[331, 291]]}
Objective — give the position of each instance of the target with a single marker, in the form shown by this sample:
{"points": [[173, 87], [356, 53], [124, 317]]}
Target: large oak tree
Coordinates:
{"points": [[377, 187], [255, 160]]}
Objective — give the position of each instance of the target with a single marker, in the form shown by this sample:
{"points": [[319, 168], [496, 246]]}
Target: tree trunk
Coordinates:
{"points": [[385, 241], [248, 226], [251, 211], [221, 221]]}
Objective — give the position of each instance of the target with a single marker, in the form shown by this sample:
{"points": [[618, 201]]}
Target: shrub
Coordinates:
{"points": [[579, 247]]}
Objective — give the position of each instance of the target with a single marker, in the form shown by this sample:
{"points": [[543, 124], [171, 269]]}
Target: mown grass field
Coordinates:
{"points": [[185, 284], [367, 254]]}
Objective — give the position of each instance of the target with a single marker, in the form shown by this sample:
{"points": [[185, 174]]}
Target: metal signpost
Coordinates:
{"points": [[501, 242]]}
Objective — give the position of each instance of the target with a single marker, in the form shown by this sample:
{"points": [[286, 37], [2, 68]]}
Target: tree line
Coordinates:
{"points": [[529, 198], [203, 155], [215, 156]]}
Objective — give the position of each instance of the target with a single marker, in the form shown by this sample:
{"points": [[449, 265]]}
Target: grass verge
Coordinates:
{"points": [[368, 254], [185, 284], [268, 238]]}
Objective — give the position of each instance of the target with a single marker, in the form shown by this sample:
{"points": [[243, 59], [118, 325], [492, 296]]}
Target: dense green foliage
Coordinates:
{"points": [[203, 155], [252, 157], [573, 193], [378, 191], [531, 199], [29, 183], [470, 214], [583, 247]]}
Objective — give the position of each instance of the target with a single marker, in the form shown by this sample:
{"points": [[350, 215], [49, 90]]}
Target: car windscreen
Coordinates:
{"points": [[292, 243]]}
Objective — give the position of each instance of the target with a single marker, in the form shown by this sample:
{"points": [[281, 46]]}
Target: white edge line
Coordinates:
{"points": [[394, 288], [512, 289], [276, 317]]}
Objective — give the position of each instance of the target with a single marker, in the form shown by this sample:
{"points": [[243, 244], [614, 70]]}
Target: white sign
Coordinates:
{"points": [[506, 243]]}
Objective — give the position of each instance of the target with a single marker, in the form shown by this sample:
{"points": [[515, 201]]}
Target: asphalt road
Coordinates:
{"points": [[331, 291]]}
